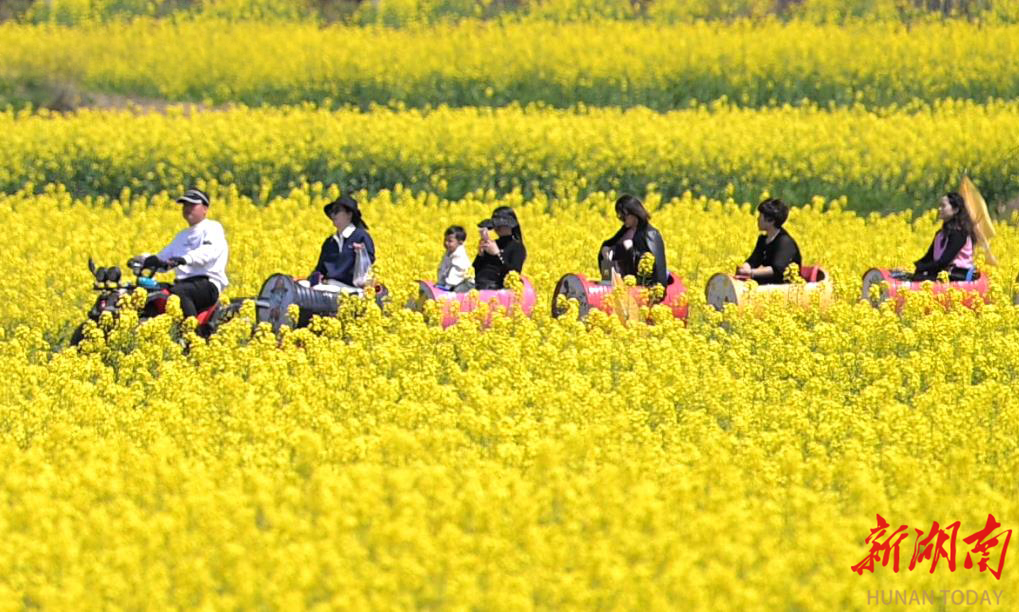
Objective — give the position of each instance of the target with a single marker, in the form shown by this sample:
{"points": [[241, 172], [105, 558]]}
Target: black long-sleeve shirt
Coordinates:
{"points": [[928, 267], [778, 254], [490, 270]]}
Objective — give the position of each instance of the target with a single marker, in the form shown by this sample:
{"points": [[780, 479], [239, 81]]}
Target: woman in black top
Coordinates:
{"points": [[496, 258], [636, 237], [775, 248], [952, 247]]}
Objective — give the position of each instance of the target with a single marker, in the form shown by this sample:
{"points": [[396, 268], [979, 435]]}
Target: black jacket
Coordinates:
{"points": [[490, 270], [338, 264], [928, 267], [778, 254], [646, 239]]}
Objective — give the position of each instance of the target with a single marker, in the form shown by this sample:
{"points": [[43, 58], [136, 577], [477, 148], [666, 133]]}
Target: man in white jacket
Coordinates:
{"points": [[198, 253]]}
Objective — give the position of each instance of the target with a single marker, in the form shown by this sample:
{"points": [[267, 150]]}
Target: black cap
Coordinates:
{"points": [[194, 196], [504, 220]]}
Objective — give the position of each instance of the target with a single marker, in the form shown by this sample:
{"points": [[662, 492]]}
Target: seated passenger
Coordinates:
{"points": [[454, 264], [624, 250], [496, 258], [952, 247], [775, 249], [335, 268], [198, 254]]}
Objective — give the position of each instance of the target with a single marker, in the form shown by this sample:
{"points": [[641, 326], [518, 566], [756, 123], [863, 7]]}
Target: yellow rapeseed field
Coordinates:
{"points": [[880, 160], [379, 461], [615, 63]]}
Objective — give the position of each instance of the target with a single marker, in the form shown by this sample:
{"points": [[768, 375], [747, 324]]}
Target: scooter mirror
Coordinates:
{"points": [[113, 274]]}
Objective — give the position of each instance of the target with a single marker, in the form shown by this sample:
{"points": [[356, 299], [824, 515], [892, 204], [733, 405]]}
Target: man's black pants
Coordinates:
{"points": [[196, 294]]}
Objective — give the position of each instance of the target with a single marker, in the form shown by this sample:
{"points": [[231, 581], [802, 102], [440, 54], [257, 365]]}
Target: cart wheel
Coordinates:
{"points": [[870, 278], [570, 286], [720, 291]]}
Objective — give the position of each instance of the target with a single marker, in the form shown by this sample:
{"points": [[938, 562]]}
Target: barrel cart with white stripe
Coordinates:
{"points": [[725, 289], [280, 291]]}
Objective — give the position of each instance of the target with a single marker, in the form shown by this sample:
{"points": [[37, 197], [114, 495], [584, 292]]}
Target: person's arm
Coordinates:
{"points": [[608, 244], [369, 245], [213, 247], [320, 267], [513, 256], [454, 276], [924, 263], [656, 246], [174, 249], [754, 260], [440, 276], [756, 257]]}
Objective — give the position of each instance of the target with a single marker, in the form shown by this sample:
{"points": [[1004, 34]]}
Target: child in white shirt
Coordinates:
{"points": [[455, 263]]}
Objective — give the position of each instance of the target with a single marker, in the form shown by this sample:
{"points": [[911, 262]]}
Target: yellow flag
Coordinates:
{"points": [[983, 229]]}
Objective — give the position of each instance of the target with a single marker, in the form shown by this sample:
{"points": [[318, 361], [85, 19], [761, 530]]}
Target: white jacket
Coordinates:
{"points": [[203, 246], [453, 267]]}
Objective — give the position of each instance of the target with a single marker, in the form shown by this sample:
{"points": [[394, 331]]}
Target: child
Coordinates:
{"points": [[454, 264]]}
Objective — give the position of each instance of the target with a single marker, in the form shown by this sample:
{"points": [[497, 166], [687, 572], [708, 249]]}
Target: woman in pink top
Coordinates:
{"points": [[952, 247]]}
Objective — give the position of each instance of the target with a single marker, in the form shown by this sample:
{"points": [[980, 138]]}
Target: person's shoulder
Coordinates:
{"points": [[211, 225], [785, 236], [360, 234], [652, 232]]}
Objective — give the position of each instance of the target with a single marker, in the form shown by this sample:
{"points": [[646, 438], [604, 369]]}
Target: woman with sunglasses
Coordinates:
{"points": [[624, 250], [335, 268], [498, 257]]}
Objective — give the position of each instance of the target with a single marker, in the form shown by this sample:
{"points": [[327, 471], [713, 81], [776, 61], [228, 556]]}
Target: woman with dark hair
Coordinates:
{"points": [[952, 247], [634, 239], [775, 249], [517, 233], [339, 251], [497, 258]]}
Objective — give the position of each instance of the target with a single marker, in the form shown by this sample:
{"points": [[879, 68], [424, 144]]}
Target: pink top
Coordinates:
{"points": [[965, 257]]}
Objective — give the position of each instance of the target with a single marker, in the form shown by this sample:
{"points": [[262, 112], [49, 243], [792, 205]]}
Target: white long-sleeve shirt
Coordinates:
{"points": [[453, 267], [204, 249]]}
